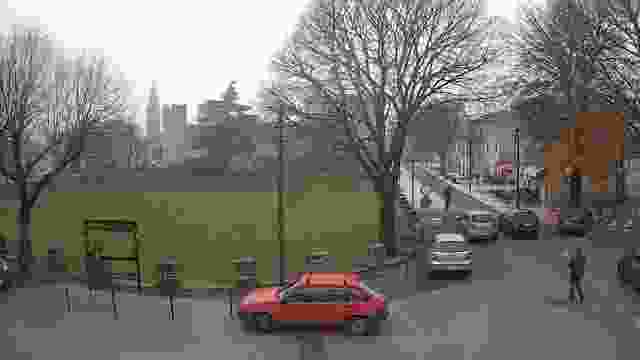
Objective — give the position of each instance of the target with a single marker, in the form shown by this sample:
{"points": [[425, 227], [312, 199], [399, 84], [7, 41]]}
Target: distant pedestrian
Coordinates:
{"points": [[447, 197], [577, 262], [425, 201]]}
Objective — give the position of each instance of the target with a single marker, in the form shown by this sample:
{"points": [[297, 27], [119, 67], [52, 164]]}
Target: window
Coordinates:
{"points": [[368, 289], [327, 295], [359, 295], [296, 295], [484, 218]]}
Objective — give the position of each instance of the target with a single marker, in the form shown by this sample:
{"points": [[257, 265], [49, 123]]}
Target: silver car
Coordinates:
{"points": [[451, 252], [481, 225]]}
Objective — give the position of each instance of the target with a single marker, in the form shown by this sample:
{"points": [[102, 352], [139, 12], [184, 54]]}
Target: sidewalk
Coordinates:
{"points": [[482, 196], [437, 201], [365, 265]]}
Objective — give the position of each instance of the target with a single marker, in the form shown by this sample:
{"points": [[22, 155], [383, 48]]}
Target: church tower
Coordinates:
{"points": [[155, 148], [153, 113]]}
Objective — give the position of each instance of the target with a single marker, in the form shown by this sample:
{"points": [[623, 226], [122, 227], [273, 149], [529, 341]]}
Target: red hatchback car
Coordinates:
{"points": [[316, 298]]}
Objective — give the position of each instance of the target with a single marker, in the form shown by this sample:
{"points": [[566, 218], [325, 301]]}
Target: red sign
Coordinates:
{"points": [[504, 168], [551, 216]]}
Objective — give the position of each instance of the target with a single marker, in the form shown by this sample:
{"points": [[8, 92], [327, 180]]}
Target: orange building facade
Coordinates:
{"points": [[590, 150]]}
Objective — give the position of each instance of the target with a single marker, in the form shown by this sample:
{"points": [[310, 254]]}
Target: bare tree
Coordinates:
{"points": [[562, 48], [396, 59], [51, 99], [441, 126], [621, 65]]}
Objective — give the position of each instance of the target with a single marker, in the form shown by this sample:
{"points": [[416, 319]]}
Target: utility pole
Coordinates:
{"points": [[470, 167], [413, 180], [281, 179], [516, 141], [282, 124]]}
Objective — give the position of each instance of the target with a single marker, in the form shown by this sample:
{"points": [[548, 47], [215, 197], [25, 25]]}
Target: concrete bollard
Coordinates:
{"points": [[167, 268]]}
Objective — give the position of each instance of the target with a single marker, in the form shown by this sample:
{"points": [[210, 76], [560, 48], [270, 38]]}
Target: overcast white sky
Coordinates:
{"points": [[193, 48]]}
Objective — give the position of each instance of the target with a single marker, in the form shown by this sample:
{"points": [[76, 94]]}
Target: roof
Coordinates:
{"points": [[450, 237], [329, 279]]}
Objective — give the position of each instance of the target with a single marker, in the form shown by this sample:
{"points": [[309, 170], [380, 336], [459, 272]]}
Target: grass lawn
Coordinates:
{"points": [[206, 231]]}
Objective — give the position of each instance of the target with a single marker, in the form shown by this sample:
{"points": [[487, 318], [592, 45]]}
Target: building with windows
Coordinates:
{"points": [[167, 139], [174, 121], [492, 142]]}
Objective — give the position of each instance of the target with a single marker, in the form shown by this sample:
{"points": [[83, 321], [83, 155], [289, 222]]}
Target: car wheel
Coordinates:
{"points": [[249, 324], [264, 322], [359, 326]]}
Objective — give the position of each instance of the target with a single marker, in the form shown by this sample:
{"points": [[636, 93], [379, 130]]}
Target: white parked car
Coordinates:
{"points": [[451, 252], [481, 225]]}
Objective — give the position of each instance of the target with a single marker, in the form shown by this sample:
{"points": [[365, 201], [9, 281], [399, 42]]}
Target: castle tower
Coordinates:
{"points": [[153, 113], [155, 150]]}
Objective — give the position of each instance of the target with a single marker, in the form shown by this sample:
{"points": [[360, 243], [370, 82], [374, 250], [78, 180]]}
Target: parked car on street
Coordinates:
{"points": [[519, 221], [451, 252], [481, 225], [575, 221], [314, 299], [435, 218], [627, 227], [629, 268]]}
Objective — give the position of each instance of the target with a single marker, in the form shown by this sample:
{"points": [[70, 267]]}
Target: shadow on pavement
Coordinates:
{"points": [[557, 301]]}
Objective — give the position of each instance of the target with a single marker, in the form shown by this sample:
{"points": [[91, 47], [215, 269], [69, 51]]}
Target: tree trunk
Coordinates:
{"points": [[24, 237], [387, 193]]}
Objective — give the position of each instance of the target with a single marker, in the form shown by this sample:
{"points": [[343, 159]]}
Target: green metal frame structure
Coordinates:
{"points": [[120, 225]]}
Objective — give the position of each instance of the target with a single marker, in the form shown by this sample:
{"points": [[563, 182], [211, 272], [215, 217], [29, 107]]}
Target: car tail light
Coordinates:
{"points": [[249, 299]]}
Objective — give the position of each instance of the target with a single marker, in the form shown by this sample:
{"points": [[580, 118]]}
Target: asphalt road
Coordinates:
{"points": [[512, 306]]}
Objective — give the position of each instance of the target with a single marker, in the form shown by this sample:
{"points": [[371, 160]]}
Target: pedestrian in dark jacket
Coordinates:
{"points": [[425, 201], [577, 264], [447, 197]]}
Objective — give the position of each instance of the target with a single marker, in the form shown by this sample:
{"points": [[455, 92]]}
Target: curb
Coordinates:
{"points": [[129, 286]]}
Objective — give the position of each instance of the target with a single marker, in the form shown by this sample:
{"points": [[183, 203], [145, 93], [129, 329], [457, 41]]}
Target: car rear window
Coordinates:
{"points": [[483, 218], [526, 216]]}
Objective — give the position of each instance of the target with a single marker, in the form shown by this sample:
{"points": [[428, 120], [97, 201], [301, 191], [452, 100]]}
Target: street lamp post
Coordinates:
{"points": [[282, 124], [516, 143], [469, 165], [413, 180]]}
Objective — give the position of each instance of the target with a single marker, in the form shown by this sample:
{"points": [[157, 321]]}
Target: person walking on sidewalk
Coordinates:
{"points": [[577, 263], [425, 201], [447, 197]]}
